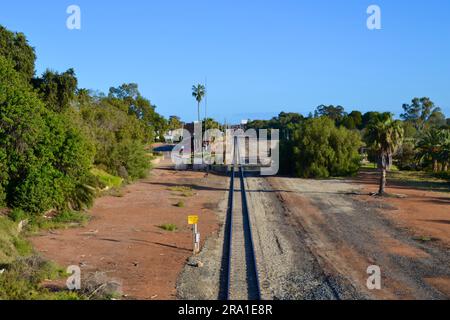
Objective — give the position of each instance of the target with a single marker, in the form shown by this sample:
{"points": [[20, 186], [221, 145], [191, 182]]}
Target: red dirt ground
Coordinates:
{"points": [[124, 239], [424, 213]]}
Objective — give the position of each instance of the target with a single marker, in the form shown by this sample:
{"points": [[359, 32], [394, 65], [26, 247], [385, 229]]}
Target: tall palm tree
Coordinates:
{"points": [[198, 92], [445, 153], [384, 135], [434, 147]]}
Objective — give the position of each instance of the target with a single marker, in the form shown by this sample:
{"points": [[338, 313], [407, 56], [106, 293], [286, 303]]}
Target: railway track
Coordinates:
{"points": [[241, 276]]}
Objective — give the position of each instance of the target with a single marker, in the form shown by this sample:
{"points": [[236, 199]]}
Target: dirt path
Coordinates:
{"points": [[124, 240], [315, 240], [347, 233]]}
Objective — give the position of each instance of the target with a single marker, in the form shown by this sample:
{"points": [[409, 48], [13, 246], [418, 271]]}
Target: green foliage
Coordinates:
{"points": [[3, 177], [384, 136], [406, 157], [369, 117], [153, 124], [106, 180], [434, 149], [46, 158], [174, 123], [335, 113], [10, 245], [118, 137], [320, 149], [180, 204], [169, 227], [15, 48], [198, 92], [129, 160], [285, 122], [353, 120], [423, 113], [23, 280], [57, 90], [62, 220], [182, 191]]}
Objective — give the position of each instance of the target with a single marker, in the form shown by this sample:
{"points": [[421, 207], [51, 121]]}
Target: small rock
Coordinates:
{"points": [[22, 225], [1, 271], [200, 264]]}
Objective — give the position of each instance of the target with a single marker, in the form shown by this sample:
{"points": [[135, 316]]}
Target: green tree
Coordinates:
{"points": [[57, 90], [154, 124], [118, 136], [175, 123], [434, 147], [15, 48], [420, 112], [198, 92], [335, 113], [353, 121], [384, 136], [47, 159], [320, 149], [369, 117]]}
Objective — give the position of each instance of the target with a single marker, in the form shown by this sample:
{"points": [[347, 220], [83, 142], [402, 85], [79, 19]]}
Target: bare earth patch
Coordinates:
{"points": [[349, 231], [125, 240], [425, 213]]}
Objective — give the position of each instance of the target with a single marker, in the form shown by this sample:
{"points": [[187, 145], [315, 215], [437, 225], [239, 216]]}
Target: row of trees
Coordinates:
{"points": [[53, 133], [329, 142]]}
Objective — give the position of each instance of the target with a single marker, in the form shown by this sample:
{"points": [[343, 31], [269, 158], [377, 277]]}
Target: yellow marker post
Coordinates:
{"points": [[193, 220]]}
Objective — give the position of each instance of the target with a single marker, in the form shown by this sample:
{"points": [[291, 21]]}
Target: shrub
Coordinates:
{"points": [[180, 204], [8, 241], [169, 227], [321, 150], [44, 159], [130, 160], [23, 279]]}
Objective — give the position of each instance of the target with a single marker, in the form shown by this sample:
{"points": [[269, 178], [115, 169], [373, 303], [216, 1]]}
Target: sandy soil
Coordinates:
{"points": [[315, 239], [124, 240], [424, 213], [347, 232]]}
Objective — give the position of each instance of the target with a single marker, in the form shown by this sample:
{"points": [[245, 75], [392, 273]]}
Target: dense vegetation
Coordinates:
{"points": [[52, 134], [59, 146], [328, 142]]}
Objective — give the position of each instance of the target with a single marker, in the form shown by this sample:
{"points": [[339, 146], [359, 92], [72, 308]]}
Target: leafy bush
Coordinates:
{"points": [[105, 179], [118, 137], [169, 227], [23, 279], [321, 150], [45, 158], [10, 245], [129, 160], [180, 204]]}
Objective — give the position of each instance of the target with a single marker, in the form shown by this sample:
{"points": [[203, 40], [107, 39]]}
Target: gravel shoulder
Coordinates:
{"points": [[348, 233], [315, 239]]}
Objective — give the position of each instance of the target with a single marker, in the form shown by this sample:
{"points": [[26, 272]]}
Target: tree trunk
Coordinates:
{"points": [[435, 166], [382, 182], [198, 111]]}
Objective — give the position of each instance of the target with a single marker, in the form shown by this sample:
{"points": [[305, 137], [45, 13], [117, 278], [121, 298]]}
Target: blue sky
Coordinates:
{"points": [[260, 57]]}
